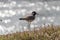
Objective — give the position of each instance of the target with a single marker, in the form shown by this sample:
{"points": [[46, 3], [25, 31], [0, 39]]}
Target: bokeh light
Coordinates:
{"points": [[58, 8], [53, 7], [48, 8], [19, 5], [43, 18], [51, 20], [11, 11], [31, 4], [6, 11], [7, 21]]}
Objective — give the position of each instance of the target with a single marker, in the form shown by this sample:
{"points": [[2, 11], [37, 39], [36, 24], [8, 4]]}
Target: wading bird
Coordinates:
{"points": [[29, 19]]}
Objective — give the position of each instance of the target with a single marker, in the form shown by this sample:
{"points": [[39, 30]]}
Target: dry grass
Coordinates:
{"points": [[46, 33]]}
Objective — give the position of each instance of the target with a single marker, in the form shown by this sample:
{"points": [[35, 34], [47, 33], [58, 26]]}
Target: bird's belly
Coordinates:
{"points": [[29, 20]]}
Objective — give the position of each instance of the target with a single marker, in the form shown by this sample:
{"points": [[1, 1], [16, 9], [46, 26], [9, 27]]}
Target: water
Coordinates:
{"points": [[12, 10]]}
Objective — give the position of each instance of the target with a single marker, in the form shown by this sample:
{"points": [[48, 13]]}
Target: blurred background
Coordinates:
{"points": [[12, 10]]}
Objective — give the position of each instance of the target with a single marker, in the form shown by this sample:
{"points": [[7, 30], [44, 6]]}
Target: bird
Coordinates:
{"points": [[29, 19]]}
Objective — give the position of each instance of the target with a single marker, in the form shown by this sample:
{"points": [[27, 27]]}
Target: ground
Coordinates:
{"points": [[50, 32]]}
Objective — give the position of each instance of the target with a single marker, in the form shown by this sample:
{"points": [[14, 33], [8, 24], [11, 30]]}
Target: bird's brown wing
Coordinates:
{"points": [[30, 18]]}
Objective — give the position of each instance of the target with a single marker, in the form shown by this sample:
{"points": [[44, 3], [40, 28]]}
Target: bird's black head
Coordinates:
{"points": [[34, 13]]}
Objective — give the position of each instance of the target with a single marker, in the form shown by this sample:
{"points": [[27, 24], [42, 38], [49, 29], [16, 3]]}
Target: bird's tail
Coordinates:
{"points": [[21, 18]]}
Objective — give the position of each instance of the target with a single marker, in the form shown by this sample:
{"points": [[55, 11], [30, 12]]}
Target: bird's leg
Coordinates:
{"points": [[29, 26]]}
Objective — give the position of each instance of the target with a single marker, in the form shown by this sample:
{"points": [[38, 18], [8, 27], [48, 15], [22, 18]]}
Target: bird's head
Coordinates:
{"points": [[34, 13]]}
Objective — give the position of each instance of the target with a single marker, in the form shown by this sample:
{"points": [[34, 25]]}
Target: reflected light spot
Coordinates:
{"points": [[6, 11], [31, 4], [58, 8], [3, 15], [46, 5], [23, 10], [13, 2], [43, 18], [25, 29], [12, 12], [4, 5], [51, 20], [32, 26], [48, 8], [19, 5], [53, 7], [1, 28], [7, 21]]}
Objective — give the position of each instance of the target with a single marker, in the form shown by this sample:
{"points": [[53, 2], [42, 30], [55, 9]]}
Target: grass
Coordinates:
{"points": [[49, 32]]}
